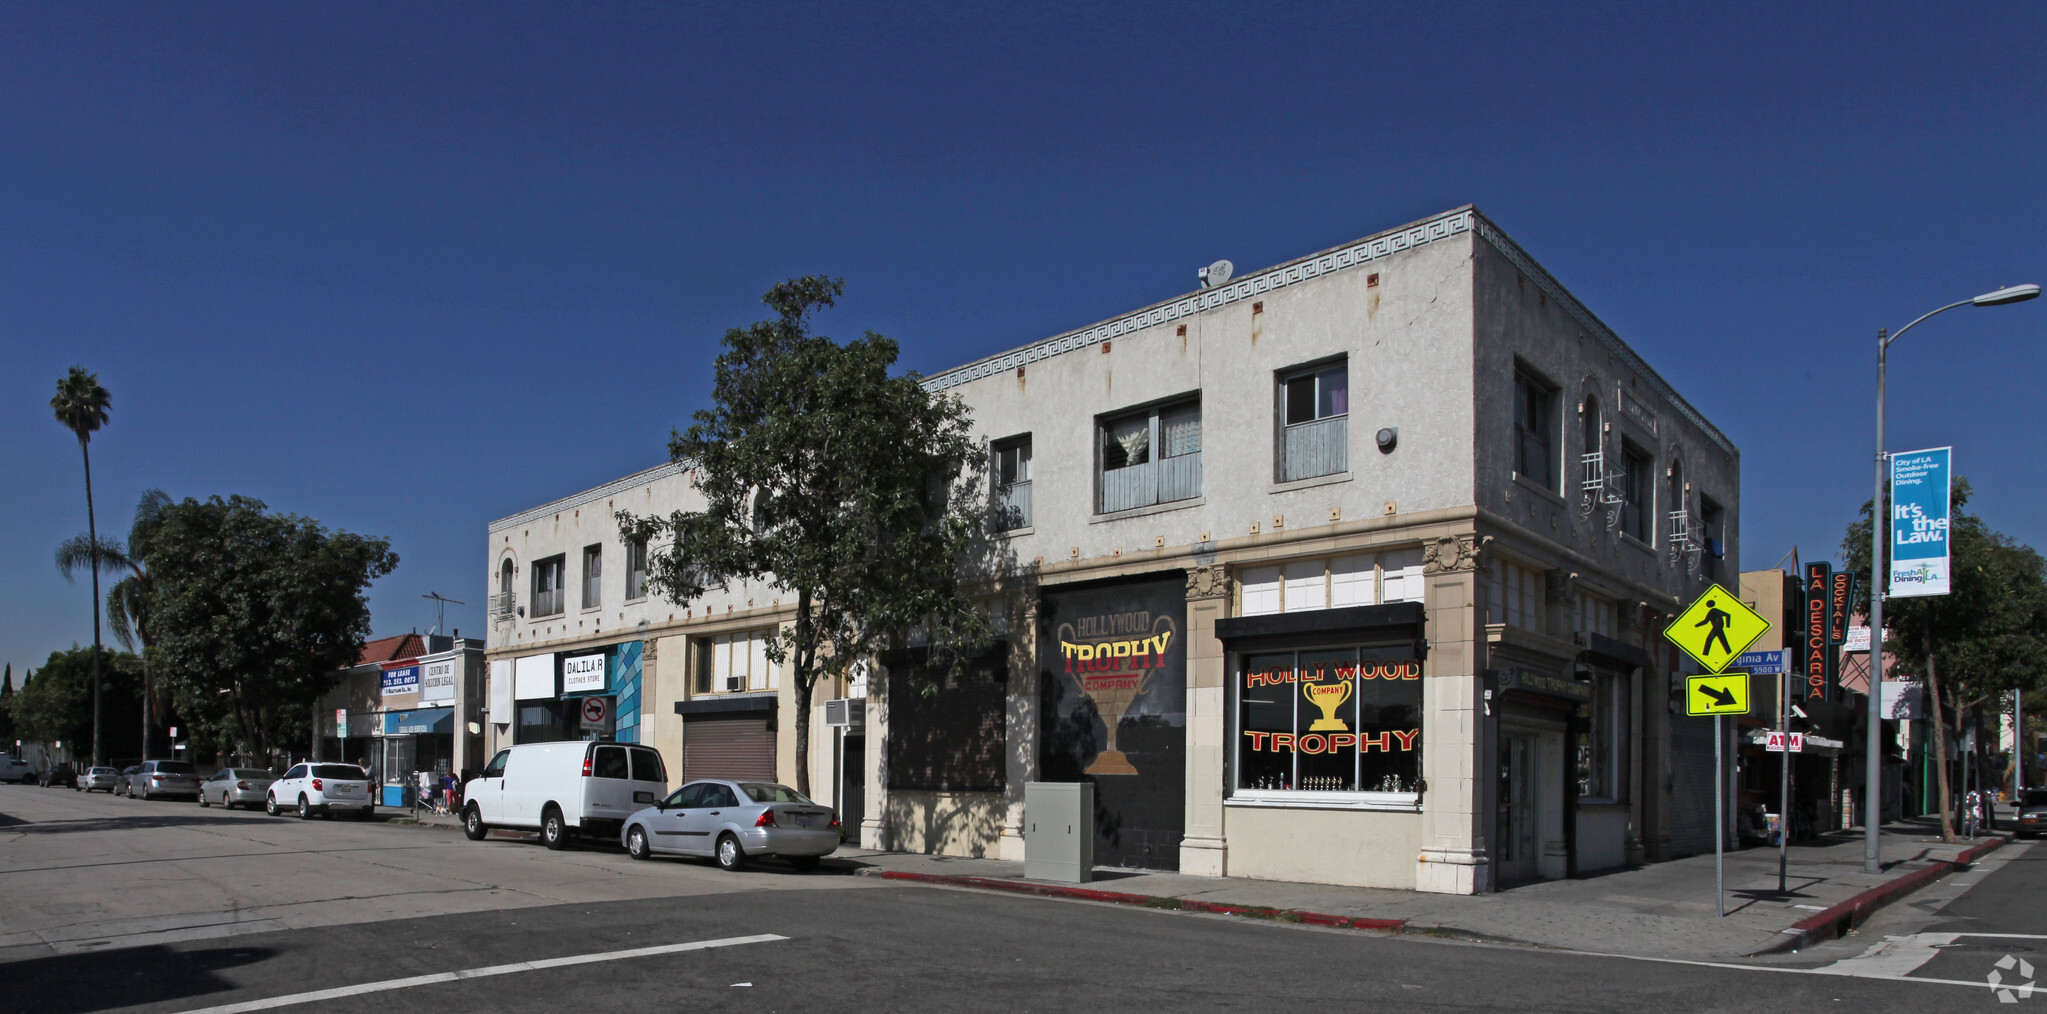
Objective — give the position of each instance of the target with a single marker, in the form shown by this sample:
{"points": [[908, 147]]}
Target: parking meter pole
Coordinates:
{"points": [[1719, 819], [1783, 775]]}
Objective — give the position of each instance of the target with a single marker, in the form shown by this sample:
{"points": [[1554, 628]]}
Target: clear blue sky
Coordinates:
{"points": [[409, 268]]}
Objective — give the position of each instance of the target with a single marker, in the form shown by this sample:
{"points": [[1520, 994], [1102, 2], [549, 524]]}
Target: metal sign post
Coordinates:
{"points": [[1719, 820], [1783, 779]]}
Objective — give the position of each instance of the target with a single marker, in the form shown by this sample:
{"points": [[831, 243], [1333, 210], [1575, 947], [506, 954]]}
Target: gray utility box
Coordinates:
{"points": [[1059, 831]]}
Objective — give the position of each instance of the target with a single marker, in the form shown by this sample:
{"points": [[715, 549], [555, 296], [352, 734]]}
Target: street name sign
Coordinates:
{"points": [[1715, 629], [1762, 663], [1720, 694]]}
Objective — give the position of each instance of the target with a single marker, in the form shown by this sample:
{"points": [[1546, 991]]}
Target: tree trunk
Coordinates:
{"points": [[92, 533], [148, 685], [806, 674], [1947, 808]]}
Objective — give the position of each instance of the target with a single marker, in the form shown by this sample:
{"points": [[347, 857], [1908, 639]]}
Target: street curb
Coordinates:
{"points": [[1839, 919], [1145, 901]]}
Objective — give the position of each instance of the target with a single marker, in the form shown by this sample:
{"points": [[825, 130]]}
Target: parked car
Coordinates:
{"points": [[98, 778], [164, 778], [125, 779], [63, 775], [307, 789], [236, 786], [2032, 807], [14, 769], [563, 790], [733, 821]]}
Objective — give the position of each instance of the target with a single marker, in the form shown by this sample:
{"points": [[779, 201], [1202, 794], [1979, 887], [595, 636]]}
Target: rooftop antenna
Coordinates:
{"points": [[441, 603]]}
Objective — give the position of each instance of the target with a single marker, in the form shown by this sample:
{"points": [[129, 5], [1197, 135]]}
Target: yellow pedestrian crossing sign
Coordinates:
{"points": [[1716, 628], [1722, 694]]}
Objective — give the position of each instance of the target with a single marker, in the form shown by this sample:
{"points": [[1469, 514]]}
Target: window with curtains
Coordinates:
{"points": [[593, 576], [1149, 457], [1314, 422], [548, 578], [1011, 470]]}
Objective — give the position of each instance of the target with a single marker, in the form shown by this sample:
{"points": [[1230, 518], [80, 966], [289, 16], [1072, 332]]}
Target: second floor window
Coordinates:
{"points": [[593, 576], [548, 577], [1636, 491], [1012, 473], [1150, 457], [1315, 433], [1516, 596], [635, 570], [734, 663], [1535, 423]]}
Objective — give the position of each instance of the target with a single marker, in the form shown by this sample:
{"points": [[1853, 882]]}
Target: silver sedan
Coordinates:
{"points": [[98, 779], [231, 787], [733, 821]]}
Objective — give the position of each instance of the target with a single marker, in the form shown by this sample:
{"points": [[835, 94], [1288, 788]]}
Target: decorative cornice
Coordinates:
{"points": [[1364, 251], [1208, 582], [1454, 553], [640, 478]]}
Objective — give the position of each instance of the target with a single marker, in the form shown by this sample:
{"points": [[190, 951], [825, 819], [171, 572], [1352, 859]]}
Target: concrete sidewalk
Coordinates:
{"points": [[1661, 910]]}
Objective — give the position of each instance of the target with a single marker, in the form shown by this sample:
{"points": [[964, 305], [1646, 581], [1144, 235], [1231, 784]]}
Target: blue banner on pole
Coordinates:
{"points": [[1919, 522]]}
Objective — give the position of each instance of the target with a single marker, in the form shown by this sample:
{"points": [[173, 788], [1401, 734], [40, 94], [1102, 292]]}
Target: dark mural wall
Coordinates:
{"points": [[1113, 685]]}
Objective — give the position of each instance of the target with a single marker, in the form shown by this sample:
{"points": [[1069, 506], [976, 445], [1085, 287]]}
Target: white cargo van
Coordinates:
{"points": [[562, 789]]}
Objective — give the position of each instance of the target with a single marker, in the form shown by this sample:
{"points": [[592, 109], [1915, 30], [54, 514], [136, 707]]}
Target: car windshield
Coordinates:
{"points": [[765, 792], [176, 768], [344, 771], [251, 773], [2035, 797], [104, 771]]}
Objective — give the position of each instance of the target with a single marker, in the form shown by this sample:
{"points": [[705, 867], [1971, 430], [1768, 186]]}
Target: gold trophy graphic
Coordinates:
{"points": [[1114, 691], [1328, 697]]}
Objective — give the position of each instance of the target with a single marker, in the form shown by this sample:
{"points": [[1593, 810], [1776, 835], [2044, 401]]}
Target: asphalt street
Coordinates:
{"points": [[117, 905]]}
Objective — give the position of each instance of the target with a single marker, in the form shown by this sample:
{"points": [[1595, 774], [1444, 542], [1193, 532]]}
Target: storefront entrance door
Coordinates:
{"points": [[1520, 834]]}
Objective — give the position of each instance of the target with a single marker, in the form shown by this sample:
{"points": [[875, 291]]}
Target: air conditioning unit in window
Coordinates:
{"points": [[846, 712], [734, 683]]}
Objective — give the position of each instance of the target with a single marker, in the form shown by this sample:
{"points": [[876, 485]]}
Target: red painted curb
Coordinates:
{"points": [[1838, 919], [1120, 898]]}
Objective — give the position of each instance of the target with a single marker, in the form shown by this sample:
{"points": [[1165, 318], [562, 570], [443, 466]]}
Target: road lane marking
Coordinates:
{"points": [[478, 973]]}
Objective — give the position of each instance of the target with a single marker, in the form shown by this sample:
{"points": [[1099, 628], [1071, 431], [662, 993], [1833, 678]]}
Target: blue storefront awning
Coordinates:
{"points": [[420, 722]]}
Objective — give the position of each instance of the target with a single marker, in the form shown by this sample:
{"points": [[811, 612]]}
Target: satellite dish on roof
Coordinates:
{"points": [[1216, 274]]}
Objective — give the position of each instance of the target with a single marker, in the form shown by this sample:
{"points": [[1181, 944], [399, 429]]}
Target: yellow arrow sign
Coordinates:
{"points": [[1725, 694], [1716, 628]]}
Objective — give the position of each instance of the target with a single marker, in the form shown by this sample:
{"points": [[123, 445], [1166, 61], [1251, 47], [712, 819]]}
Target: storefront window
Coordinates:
{"points": [[1331, 726], [1602, 739]]}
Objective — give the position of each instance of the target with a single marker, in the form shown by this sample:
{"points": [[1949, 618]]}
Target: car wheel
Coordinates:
{"points": [[203, 801], [473, 826], [554, 833], [270, 804], [803, 864], [730, 855], [636, 843], [305, 809]]}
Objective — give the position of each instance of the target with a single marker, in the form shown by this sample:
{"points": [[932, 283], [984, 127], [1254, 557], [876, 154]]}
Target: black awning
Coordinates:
{"points": [[1393, 621], [1613, 653], [713, 705]]}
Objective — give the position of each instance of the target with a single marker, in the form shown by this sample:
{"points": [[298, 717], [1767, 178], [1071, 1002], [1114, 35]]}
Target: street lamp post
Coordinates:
{"points": [[1879, 523]]}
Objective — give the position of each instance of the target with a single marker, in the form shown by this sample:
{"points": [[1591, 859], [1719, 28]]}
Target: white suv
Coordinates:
{"points": [[14, 769], [324, 788]]}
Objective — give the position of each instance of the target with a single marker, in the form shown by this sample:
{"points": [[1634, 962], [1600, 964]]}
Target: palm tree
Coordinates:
{"points": [[81, 405], [128, 599]]}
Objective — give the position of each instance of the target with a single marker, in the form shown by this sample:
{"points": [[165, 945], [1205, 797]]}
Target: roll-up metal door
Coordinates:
{"points": [[733, 745]]}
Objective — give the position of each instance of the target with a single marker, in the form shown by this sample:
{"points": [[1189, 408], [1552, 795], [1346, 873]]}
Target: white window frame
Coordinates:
{"points": [[1331, 582]]}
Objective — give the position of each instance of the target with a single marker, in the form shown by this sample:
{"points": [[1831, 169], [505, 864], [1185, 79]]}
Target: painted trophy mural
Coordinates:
{"points": [[1114, 691]]}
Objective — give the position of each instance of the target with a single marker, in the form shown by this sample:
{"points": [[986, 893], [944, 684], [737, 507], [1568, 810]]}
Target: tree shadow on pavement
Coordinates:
{"points": [[103, 980], [139, 822]]}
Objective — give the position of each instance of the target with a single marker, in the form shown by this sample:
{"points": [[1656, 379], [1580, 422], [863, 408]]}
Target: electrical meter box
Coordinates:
{"points": [[1059, 831]]}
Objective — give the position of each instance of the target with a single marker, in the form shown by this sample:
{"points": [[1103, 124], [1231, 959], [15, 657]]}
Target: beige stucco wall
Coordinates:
{"points": [[946, 823], [1365, 849]]}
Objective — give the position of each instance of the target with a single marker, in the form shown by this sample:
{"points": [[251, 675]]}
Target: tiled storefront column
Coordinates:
{"points": [[1020, 733], [1457, 747], [1203, 849]]}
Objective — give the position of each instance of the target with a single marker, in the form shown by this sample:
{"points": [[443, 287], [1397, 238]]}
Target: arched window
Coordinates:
{"points": [[1589, 425], [505, 580]]}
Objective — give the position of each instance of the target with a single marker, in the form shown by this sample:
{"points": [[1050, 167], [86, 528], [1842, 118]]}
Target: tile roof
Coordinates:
{"points": [[391, 649]]}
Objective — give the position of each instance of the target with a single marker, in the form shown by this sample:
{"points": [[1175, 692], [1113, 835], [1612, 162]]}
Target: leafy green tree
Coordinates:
{"points": [[853, 490], [81, 405], [128, 599], [253, 614], [1980, 642], [57, 706]]}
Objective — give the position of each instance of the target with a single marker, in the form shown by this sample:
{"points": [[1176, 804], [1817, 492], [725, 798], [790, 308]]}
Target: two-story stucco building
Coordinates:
{"points": [[1345, 570]]}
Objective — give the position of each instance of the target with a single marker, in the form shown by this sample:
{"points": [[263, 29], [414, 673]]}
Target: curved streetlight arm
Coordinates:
{"points": [[1895, 334]]}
